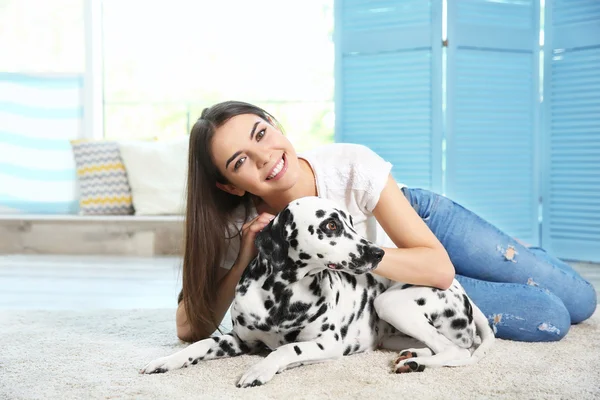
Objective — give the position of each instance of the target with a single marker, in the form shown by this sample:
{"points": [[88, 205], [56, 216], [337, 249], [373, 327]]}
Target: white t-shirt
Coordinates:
{"points": [[350, 174]]}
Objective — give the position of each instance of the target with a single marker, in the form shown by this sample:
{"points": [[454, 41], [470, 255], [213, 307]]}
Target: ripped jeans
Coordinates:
{"points": [[526, 294]]}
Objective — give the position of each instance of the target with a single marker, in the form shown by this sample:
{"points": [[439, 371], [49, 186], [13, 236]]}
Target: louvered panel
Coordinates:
{"points": [[571, 182], [39, 114], [506, 14], [367, 15], [492, 113], [569, 12], [388, 87]]}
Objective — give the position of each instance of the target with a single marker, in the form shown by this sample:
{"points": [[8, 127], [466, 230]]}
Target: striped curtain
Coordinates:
{"points": [[39, 114]]}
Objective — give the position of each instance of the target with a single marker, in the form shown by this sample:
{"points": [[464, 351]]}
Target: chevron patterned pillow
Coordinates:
{"points": [[103, 184]]}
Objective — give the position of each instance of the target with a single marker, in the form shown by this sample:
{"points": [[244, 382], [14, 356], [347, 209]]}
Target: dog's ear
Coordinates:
{"points": [[272, 240]]}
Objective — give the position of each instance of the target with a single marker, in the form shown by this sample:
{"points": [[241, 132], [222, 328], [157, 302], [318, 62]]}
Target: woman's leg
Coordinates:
{"points": [[519, 312], [481, 251]]}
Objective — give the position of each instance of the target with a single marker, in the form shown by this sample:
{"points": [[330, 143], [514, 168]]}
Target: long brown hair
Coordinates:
{"points": [[208, 215]]}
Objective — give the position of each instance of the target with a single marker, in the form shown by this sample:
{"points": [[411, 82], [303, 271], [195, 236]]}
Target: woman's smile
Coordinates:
{"points": [[278, 169]]}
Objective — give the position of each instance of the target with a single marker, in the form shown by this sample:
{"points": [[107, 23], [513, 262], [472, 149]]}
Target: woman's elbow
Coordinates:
{"points": [[446, 274], [184, 333]]}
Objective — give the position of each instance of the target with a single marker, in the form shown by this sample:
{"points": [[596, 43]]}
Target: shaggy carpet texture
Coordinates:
{"points": [[97, 355]]}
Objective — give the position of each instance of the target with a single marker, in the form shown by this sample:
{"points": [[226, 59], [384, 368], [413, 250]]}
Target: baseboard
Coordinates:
{"points": [[92, 236]]}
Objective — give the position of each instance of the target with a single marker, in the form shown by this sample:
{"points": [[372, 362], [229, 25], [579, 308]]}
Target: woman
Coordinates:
{"points": [[243, 171]]}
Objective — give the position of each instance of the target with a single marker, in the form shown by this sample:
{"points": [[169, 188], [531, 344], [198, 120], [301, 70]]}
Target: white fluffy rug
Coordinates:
{"points": [[97, 355]]}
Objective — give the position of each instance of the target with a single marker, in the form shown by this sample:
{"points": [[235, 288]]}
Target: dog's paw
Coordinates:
{"points": [[407, 365], [165, 364], [259, 374], [406, 361]]}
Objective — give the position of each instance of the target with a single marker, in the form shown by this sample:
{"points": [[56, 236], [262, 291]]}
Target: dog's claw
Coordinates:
{"points": [[258, 375]]}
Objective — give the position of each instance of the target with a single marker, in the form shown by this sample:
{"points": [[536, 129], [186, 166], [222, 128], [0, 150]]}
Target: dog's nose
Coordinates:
{"points": [[375, 253]]}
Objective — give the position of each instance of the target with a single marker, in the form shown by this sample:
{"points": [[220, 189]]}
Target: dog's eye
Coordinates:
{"points": [[332, 226]]}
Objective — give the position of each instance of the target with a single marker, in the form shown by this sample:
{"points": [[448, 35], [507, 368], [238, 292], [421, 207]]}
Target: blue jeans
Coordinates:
{"points": [[527, 294]]}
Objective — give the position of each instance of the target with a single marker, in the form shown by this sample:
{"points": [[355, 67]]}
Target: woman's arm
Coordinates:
{"points": [[420, 258], [228, 279]]}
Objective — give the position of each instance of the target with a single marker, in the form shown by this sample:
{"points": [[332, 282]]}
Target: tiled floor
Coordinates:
{"points": [[72, 282]]}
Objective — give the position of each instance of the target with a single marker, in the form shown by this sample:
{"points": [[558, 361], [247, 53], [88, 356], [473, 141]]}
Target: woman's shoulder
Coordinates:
{"points": [[346, 166]]}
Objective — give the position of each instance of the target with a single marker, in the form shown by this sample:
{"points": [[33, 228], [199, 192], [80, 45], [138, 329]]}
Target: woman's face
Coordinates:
{"points": [[254, 156]]}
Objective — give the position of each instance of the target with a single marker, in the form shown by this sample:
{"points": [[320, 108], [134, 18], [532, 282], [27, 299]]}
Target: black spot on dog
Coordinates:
{"points": [[297, 350], [311, 229], [459, 335], [347, 350], [292, 336], [363, 303], [421, 301], [468, 308], [441, 295], [344, 331], [294, 244], [304, 256], [449, 313], [320, 213], [322, 310], [220, 353], [320, 346], [240, 320], [263, 327], [324, 327], [226, 347], [268, 304], [434, 316], [459, 323], [336, 337], [406, 286], [332, 243], [337, 298]]}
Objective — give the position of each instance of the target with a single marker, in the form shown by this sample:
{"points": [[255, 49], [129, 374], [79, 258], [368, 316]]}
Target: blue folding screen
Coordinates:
{"points": [[571, 179], [388, 83], [493, 112], [38, 116]]}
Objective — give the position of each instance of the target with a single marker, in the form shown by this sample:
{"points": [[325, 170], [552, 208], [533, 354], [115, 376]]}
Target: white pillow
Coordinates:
{"points": [[157, 172]]}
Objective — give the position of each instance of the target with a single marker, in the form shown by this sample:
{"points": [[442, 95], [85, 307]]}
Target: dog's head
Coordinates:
{"points": [[317, 233]]}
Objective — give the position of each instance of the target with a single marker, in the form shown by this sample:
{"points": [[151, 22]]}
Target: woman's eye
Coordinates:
{"points": [[331, 226], [239, 163], [260, 134]]}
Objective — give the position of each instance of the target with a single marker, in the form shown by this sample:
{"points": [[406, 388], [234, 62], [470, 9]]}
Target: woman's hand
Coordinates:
{"points": [[250, 229]]}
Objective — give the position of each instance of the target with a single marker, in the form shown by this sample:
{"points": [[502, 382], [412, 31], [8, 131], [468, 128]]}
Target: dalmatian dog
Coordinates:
{"points": [[310, 296]]}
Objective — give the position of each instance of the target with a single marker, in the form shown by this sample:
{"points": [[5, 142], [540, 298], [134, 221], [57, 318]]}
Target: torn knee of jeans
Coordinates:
{"points": [[546, 327], [509, 253], [531, 282]]}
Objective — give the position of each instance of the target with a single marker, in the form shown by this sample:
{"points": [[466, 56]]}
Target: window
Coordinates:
{"points": [[164, 61], [42, 37]]}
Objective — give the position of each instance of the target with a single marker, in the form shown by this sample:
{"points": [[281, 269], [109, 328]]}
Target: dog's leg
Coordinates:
{"points": [[411, 322], [288, 355], [215, 347]]}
